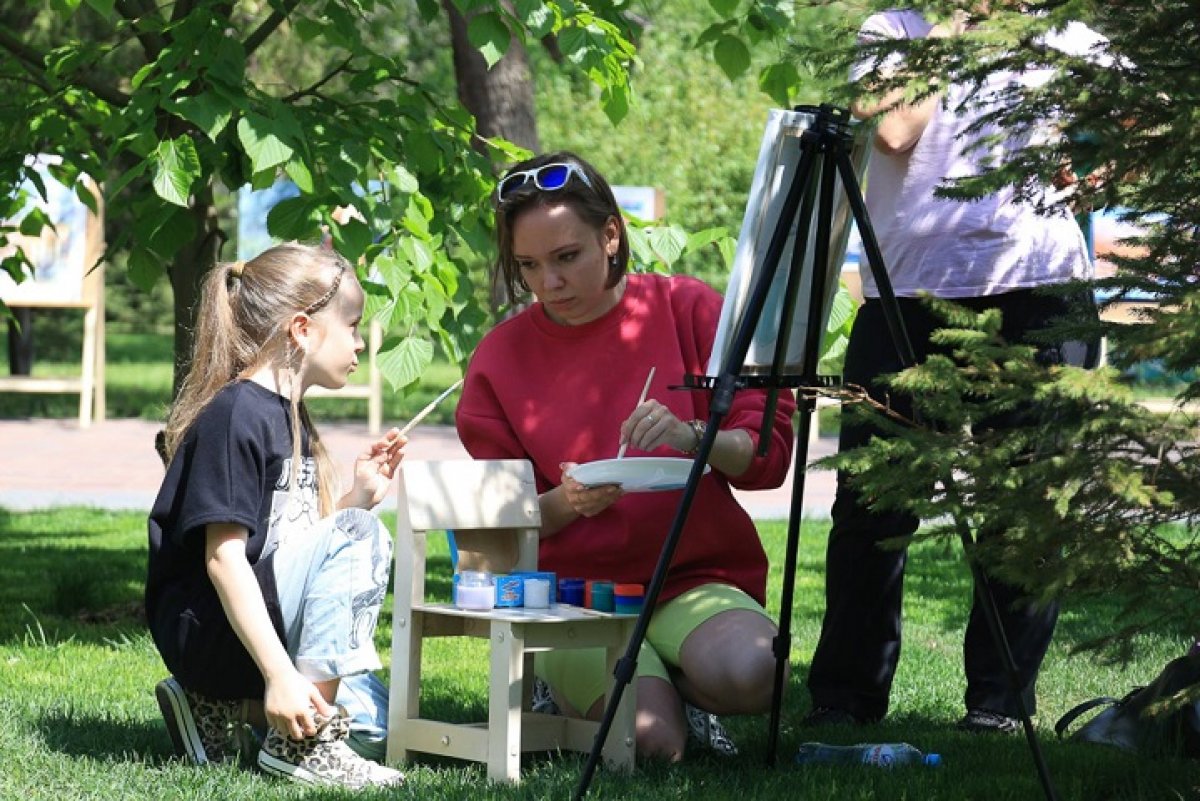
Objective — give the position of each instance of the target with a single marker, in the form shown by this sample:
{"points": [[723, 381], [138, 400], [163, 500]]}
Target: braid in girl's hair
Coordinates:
{"points": [[242, 324]]}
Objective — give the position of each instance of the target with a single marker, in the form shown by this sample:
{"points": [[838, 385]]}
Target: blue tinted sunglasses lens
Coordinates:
{"points": [[552, 176], [511, 183]]}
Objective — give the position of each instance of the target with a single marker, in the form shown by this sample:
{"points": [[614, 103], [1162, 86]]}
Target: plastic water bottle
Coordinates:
{"points": [[883, 755]]}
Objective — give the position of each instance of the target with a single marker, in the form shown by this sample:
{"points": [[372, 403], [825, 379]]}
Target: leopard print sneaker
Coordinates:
{"points": [[203, 729], [324, 758], [705, 730]]}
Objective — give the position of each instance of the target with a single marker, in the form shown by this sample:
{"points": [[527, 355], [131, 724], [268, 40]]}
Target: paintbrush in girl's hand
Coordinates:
{"points": [[421, 415]]}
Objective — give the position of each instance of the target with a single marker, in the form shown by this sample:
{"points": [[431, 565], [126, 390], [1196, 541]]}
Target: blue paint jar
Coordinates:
{"points": [[570, 591]]}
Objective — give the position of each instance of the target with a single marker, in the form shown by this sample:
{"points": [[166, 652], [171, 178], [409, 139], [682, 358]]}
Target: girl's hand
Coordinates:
{"points": [[290, 702], [374, 470], [588, 501]]}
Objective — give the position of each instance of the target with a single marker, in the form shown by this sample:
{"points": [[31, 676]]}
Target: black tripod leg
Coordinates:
{"points": [[811, 353]]}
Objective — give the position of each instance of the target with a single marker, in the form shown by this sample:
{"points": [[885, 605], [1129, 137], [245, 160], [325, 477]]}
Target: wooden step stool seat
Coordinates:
{"points": [[492, 507]]}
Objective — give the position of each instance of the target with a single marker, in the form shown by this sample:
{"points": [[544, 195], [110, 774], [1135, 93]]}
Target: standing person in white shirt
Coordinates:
{"points": [[995, 252]]}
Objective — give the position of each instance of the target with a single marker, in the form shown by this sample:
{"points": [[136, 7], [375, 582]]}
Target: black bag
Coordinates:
{"points": [[1143, 721]]}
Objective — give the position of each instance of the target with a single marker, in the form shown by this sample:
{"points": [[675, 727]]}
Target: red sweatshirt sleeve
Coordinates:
{"points": [[698, 309]]}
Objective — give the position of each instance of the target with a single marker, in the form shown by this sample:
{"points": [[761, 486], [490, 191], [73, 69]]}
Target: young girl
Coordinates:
{"points": [[264, 586]]}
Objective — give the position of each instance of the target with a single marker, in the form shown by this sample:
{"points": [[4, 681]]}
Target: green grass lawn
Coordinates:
{"points": [[77, 671]]}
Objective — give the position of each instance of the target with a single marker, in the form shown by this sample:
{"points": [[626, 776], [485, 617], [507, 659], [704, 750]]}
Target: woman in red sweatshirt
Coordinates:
{"points": [[555, 385]]}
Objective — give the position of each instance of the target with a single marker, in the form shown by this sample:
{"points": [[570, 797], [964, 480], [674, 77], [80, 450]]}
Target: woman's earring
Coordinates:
{"points": [[612, 261]]}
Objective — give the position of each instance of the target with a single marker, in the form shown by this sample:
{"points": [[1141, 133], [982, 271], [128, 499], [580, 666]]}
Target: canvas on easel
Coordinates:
{"points": [[778, 160], [67, 273]]}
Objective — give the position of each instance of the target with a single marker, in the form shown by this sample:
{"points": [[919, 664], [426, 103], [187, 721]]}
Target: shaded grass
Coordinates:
{"points": [[78, 670]]}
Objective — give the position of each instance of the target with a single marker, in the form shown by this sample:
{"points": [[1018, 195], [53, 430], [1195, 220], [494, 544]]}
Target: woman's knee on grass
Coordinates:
{"points": [[728, 663], [661, 729]]}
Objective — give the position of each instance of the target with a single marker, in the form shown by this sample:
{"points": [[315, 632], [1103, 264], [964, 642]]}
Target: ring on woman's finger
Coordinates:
{"points": [[649, 418]]}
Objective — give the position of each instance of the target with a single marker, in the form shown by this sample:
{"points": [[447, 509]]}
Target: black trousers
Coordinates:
{"points": [[859, 646]]}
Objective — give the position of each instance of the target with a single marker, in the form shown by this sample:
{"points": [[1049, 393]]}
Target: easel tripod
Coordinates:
{"points": [[825, 147]]}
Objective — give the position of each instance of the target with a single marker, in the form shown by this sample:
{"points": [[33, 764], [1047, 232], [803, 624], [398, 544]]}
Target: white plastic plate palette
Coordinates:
{"points": [[641, 474]]}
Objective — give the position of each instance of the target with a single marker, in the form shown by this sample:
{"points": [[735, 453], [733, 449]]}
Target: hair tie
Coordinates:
{"points": [[235, 269]]}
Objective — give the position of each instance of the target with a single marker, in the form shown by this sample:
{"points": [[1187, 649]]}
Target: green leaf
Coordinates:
{"points": [[84, 193], [417, 215], [298, 171], [778, 81], [144, 269], [208, 112], [615, 101], [261, 138], [307, 28], [668, 242], [417, 253], [176, 167], [639, 246], [537, 17], [33, 223], [714, 32], [731, 55], [702, 239], [404, 181], [103, 7], [429, 10], [352, 238], [142, 74], [726, 8], [228, 64], [402, 361], [490, 35], [294, 218]]}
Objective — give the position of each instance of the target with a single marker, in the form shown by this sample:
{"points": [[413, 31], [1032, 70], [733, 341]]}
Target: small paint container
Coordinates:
{"points": [[537, 592], [602, 596], [627, 599], [570, 591], [546, 575], [474, 589], [510, 591]]}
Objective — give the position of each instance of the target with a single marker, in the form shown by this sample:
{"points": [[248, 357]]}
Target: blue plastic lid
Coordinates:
{"points": [[933, 760]]}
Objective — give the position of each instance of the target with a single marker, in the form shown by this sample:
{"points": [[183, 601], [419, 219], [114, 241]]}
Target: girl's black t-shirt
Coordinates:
{"points": [[234, 466]]}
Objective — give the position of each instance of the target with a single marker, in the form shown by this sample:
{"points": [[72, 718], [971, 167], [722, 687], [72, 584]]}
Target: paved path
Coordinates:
{"points": [[112, 465]]}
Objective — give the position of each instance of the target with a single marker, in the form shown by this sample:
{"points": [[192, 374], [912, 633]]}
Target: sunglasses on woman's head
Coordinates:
{"points": [[548, 178]]}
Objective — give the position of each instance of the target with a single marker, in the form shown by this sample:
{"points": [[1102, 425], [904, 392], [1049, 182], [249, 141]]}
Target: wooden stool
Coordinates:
{"points": [[492, 507]]}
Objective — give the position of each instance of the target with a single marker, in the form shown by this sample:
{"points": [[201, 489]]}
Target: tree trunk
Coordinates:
{"points": [[20, 340], [501, 99], [187, 273]]}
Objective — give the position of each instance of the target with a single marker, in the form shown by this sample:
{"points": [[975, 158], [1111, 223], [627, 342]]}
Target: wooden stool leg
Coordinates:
{"points": [[404, 697], [504, 701]]}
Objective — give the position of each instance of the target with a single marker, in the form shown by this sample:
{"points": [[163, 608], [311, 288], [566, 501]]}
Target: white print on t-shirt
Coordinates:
{"points": [[293, 512]]}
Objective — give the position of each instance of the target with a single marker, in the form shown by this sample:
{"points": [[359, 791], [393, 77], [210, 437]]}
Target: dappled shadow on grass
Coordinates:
{"points": [[81, 734]]}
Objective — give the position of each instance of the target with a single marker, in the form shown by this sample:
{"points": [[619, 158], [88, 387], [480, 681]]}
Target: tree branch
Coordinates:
{"points": [[264, 31], [135, 11], [36, 62], [312, 90]]}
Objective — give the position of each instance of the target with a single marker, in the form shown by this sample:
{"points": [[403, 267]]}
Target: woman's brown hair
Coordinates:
{"points": [[594, 204]]}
